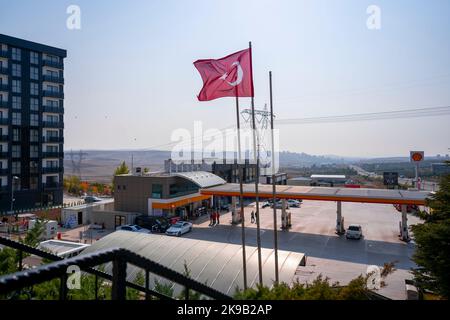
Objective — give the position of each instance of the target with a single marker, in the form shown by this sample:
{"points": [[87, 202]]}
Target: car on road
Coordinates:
{"points": [[265, 204], [279, 205], [294, 203], [179, 228], [354, 231], [91, 199], [155, 224], [132, 228]]}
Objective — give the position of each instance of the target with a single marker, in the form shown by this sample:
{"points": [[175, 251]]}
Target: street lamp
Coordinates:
{"points": [[14, 178]]}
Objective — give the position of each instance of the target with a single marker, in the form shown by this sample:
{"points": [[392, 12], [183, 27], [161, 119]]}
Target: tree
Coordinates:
{"points": [[432, 238], [121, 169]]}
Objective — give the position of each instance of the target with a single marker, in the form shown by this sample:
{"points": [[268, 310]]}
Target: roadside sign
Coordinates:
{"points": [[416, 156], [390, 178]]}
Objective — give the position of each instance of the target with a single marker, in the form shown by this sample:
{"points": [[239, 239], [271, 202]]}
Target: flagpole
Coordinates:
{"points": [[241, 192], [256, 155], [275, 230]]}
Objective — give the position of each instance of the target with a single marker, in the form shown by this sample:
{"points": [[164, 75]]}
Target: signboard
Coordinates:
{"points": [[416, 156], [390, 178]]}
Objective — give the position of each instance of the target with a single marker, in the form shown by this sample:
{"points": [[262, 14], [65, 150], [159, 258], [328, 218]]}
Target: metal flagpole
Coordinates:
{"points": [[258, 231], [275, 231], [241, 191]]}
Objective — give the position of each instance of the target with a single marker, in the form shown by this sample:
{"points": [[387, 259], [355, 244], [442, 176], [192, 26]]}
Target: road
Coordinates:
{"points": [[425, 185]]}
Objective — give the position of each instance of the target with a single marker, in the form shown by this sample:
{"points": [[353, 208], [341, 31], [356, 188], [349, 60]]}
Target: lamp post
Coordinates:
{"points": [[14, 178]]}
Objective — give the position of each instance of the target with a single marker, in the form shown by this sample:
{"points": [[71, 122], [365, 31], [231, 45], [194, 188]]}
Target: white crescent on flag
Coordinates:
{"points": [[240, 75]]}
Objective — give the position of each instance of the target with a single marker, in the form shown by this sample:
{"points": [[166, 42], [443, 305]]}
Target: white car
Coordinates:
{"points": [[179, 228], [133, 228], [354, 231], [294, 203]]}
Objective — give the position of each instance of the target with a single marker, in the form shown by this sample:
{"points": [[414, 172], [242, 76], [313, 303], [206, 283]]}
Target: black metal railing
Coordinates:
{"points": [[56, 154], [4, 86], [53, 109], [3, 104], [53, 79], [4, 121], [51, 185], [52, 139], [53, 94], [53, 124], [51, 170], [4, 54], [120, 258], [3, 70], [53, 63]]}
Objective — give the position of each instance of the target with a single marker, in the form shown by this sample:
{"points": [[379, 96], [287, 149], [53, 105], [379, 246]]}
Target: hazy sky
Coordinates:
{"points": [[130, 80]]}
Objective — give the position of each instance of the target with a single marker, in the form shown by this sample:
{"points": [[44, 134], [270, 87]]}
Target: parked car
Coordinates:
{"points": [[279, 205], [179, 228], [91, 199], [225, 207], [133, 228], [354, 231], [155, 224], [294, 203], [265, 204]]}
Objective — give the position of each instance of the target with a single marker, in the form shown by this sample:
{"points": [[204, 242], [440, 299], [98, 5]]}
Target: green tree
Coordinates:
{"points": [[121, 169], [432, 254]]}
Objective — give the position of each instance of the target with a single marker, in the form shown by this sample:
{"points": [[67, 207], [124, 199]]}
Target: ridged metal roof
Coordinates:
{"points": [[217, 264], [201, 178]]}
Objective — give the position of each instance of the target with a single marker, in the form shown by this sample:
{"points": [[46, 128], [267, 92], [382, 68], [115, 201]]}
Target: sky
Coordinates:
{"points": [[130, 81]]}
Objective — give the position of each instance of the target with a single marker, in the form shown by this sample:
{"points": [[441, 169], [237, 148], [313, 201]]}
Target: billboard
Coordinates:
{"points": [[390, 178], [416, 156]]}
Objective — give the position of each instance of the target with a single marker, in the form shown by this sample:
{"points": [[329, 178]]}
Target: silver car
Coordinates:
{"points": [[179, 228]]}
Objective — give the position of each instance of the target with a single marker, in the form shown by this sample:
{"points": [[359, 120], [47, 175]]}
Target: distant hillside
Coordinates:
{"points": [[99, 165]]}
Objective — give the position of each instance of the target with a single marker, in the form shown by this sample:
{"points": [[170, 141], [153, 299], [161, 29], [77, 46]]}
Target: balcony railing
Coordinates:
{"points": [[3, 70], [4, 138], [54, 64], [56, 154], [46, 108], [3, 104], [120, 259], [4, 171], [4, 54], [4, 86], [53, 79], [53, 124], [4, 121], [50, 185], [53, 94], [53, 139], [51, 170], [4, 154]]}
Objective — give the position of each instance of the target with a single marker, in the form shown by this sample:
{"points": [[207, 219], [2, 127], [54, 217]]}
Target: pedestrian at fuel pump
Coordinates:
{"points": [[211, 218], [218, 217], [252, 217]]}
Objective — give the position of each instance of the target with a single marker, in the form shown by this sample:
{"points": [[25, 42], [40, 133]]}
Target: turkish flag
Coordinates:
{"points": [[230, 76]]}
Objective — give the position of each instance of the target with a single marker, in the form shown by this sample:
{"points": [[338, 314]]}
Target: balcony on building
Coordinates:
{"points": [[4, 54], [3, 104], [3, 69], [4, 171], [4, 121], [5, 189], [53, 94], [50, 185], [4, 86], [4, 154], [53, 139], [53, 63], [5, 138], [53, 79], [51, 170], [52, 154], [46, 108], [52, 124]]}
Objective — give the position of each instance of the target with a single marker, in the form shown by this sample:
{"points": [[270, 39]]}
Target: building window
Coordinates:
{"points": [[17, 102], [34, 57], [33, 182], [34, 135], [16, 134], [156, 191], [52, 103], [34, 73], [51, 164], [52, 118], [34, 104], [15, 151], [34, 151], [34, 89], [52, 149], [34, 119], [16, 86], [15, 167], [16, 70], [16, 118], [54, 89], [16, 54]]}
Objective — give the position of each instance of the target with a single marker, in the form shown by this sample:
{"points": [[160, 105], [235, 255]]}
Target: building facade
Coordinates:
{"points": [[31, 124]]}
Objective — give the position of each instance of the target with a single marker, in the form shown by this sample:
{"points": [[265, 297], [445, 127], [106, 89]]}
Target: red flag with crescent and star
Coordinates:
{"points": [[230, 76]]}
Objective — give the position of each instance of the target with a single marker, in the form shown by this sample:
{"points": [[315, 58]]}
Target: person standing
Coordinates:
{"points": [[218, 217], [211, 218], [252, 217]]}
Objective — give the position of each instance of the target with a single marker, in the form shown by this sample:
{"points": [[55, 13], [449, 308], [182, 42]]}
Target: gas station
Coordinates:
{"points": [[338, 195]]}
